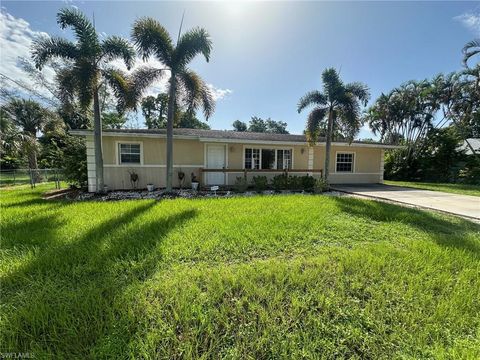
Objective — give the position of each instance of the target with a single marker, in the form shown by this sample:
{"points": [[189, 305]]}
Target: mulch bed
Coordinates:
{"points": [[81, 195]]}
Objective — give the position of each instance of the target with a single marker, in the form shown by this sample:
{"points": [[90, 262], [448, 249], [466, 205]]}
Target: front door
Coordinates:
{"points": [[215, 160]]}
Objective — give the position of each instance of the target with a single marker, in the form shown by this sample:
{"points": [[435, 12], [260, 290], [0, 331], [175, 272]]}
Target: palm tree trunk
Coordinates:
{"points": [[32, 159], [170, 118], [97, 138], [328, 145]]}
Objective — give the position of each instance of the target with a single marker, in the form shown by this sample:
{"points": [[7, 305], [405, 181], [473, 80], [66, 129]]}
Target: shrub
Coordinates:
{"points": [[75, 161], [240, 184], [321, 185], [294, 182], [279, 182], [308, 183], [260, 183]]}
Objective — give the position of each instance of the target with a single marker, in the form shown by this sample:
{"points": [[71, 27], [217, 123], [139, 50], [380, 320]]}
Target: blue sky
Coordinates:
{"points": [[266, 55]]}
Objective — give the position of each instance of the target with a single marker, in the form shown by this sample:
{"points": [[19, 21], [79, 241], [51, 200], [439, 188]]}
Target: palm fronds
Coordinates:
{"points": [[116, 47], [314, 120], [151, 38], [44, 49], [196, 93], [311, 98], [194, 42], [470, 49], [83, 28]]}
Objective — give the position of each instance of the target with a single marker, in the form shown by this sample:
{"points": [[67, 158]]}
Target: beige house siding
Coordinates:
{"points": [[190, 156], [368, 164]]}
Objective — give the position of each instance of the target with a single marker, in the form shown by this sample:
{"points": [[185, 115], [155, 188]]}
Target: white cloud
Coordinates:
{"points": [[471, 21], [16, 38], [219, 94]]}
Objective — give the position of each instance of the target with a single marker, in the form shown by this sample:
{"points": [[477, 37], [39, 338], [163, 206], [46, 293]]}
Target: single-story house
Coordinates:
{"points": [[218, 157]]}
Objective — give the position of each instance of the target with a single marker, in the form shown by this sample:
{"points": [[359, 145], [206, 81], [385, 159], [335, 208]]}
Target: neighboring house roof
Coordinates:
{"points": [[474, 142], [223, 136]]}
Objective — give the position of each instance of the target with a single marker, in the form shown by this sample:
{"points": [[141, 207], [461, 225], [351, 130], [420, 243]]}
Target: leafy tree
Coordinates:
{"points": [[88, 57], [257, 125], [154, 109], [338, 104], [113, 120], [187, 119], [185, 86], [263, 126], [276, 127], [239, 126]]}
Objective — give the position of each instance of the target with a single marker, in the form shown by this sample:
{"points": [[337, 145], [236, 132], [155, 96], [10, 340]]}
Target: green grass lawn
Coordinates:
{"points": [[243, 278], [463, 189]]}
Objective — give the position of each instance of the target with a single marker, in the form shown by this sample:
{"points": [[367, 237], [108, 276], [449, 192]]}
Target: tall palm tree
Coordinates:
{"points": [[152, 39], [338, 105], [88, 57], [470, 49]]}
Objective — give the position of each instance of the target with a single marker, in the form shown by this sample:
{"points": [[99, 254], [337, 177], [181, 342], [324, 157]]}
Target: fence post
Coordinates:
{"points": [[14, 177]]}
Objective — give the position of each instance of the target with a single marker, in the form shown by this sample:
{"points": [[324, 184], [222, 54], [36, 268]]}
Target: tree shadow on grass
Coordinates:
{"points": [[36, 231], [62, 302], [445, 232]]}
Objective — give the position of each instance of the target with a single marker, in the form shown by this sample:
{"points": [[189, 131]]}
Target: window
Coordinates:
{"points": [[284, 159], [252, 159], [344, 162], [129, 153], [268, 159]]}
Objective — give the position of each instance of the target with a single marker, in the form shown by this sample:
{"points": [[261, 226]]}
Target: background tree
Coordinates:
{"points": [[23, 120], [87, 58], [239, 126], [257, 124], [338, 104], [185, 86], [154, 110], [113, 120]]}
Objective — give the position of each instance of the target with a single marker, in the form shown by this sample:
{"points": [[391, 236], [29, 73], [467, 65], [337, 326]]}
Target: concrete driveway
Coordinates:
{"points": [[463, 205]]}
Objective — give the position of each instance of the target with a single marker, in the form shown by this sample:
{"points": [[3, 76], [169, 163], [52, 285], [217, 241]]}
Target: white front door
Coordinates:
{"points": [[215, 160]]}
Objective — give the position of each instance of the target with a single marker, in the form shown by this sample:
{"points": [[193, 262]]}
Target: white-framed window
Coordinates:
{"points": [[344, 162], [267, 158], [129, 153]]}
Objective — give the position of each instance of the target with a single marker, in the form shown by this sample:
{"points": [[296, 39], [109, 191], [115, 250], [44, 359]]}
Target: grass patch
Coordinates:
{"points": [[253, 278], [463, 189]]}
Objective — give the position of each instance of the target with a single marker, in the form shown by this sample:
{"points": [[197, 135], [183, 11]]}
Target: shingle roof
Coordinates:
{"points": [[216, 134], [226, 135]]}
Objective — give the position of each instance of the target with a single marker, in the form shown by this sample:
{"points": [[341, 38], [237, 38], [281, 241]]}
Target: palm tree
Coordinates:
{"points": [[470, 49], [152, 39], [21, 121], [88, 57], [338, 105]]}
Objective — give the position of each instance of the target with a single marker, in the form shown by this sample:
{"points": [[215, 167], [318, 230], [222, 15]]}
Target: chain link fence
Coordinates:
{"points": [[30, 176]]}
